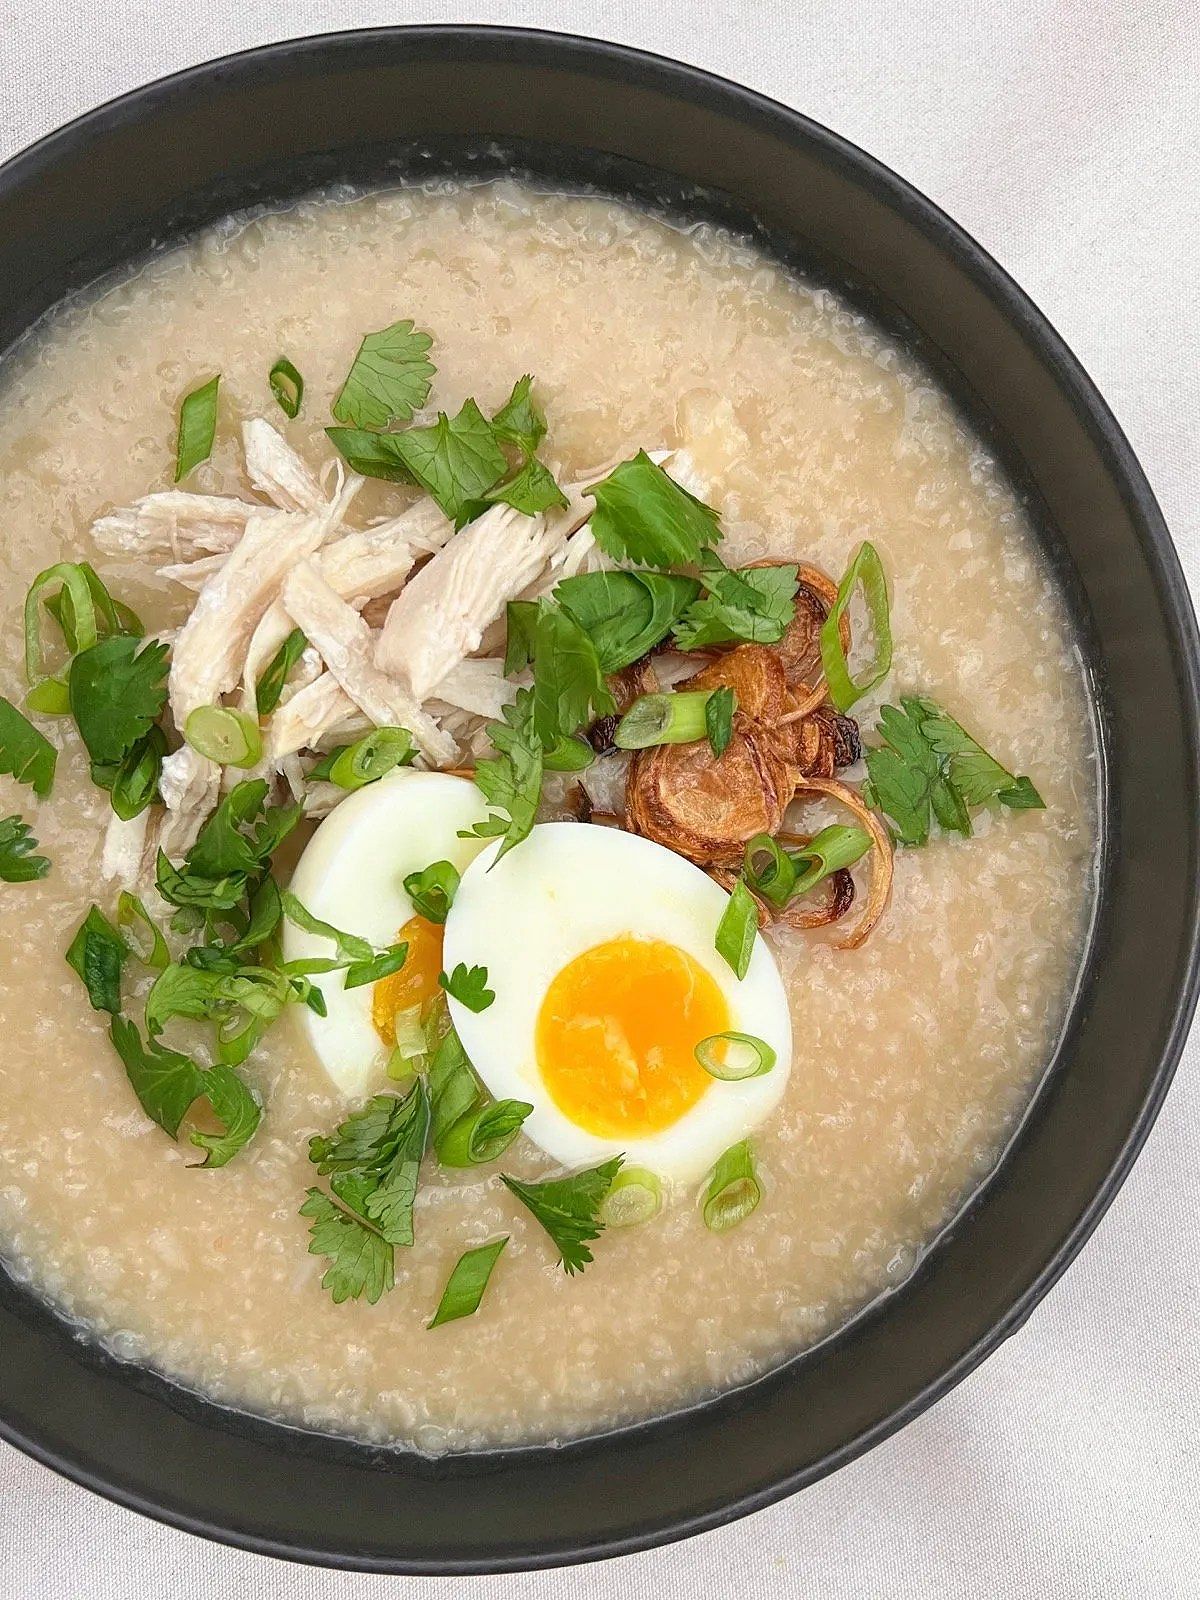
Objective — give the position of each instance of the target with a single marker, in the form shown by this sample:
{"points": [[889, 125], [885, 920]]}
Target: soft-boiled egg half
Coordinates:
{"points": [[352, 875], [599, 947]]}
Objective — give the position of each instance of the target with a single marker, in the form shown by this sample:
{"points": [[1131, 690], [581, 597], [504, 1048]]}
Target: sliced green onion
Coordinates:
{"points": [[466, 1283], [737, 929], [83, 609], [287, 386], [827, 852], [663, 719], [483, 1134], [130, 910], [380, 965], [867, 569], [135, 781], [568, 754], [769, 870], [411, 1044], [197, 427], [718, 719], [224, 734], [732, 1191], [275, 675], [432, 890], [634, 1196], [734, 1056], [352, 766]]}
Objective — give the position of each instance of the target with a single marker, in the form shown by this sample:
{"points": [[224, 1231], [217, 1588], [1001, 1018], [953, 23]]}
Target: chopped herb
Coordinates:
{"points": [[168, 1084], [680, 717], [530, 490], [454, 1090], [353, 766], [519, 421], [17, 864], [197, 427], [235, 1108], [117, 693], [130, 909], [467, 1282], [635, 1196], [373, 1159], [242, 1001], [432, 890], [754, 606], [348, 945], [84, 611], [568, 685], [468, 985], [483, 1134], [287, 386], [733, 1189], [930, 767], [135, 778], [737, 929], [223, 846], [389, 378], [568, 1208], [511, 780], [520, 628], [732, 1057], [381, 965], [374, 455], [362, 1262], [866, 569], [643, 515], [25, 752], [455, 459], [225, 735], [271, 684], [625, 614], [97, 953]]}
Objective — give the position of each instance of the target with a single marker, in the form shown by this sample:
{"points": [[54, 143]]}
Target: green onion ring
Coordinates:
{"points": [[225, 735], [734, 1056], [845, 690]]}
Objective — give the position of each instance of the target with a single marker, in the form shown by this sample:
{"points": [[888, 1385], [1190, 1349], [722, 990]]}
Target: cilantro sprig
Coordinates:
{"points": [[930, 768], [642, 515], [568, 1208]]}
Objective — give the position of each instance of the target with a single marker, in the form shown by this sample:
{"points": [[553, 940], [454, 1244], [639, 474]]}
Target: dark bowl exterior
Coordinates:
{"points": [[283, 120]]}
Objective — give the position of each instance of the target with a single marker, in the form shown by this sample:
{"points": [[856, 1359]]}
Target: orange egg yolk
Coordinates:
{"points": [[415, 983], [617, 1033]]}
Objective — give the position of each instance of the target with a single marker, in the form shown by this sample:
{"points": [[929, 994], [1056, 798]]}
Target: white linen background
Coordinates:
{"points": [[1063, 134]]}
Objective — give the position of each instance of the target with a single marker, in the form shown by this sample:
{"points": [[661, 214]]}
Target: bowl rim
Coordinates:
{"points": [[549, 47]]}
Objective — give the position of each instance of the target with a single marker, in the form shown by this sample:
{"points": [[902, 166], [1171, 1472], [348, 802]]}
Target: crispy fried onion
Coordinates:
{"points": [[881, 854]]}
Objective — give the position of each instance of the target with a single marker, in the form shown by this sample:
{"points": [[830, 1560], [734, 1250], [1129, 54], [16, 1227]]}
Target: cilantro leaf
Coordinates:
{"points": [[454, 1090], [511, 780], [25, 752], [166, 1083], [374, 455], [468, 985], [236, 1108], [625, 614], [467, 1282], [753, 606], [519, 420], [17, 865], [197, 427], [224, 845], [520, 627], [373, 1160], [643, 515], [455, 459], [529, 490], [275, 674], [977, 776], [930, 767], [569, 690], [135, 777], [362, 1262], [117, 694], [388, 379], [568, 1208], [97, 954]]}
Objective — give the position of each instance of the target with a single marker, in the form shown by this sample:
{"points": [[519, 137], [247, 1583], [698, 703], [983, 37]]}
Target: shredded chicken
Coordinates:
{"points": [[347, 646], [477, 685], [275, 469], [174, 523], [124, 852]]}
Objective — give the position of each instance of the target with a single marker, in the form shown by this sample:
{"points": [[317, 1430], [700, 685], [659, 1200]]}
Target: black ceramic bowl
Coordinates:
{"points": [[373, 107]]}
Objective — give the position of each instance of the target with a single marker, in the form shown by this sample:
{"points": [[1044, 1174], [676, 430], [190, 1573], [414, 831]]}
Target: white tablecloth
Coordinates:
{"points": [[1063, 135]]}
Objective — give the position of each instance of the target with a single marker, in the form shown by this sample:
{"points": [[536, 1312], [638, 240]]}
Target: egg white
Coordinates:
{"points": [[565, 889], [352, 875]]}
